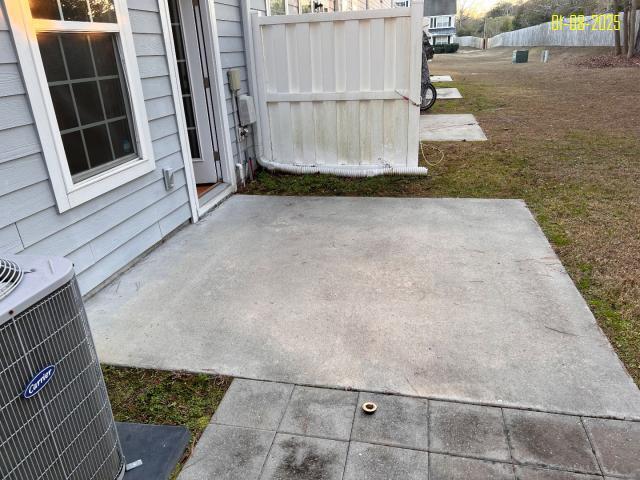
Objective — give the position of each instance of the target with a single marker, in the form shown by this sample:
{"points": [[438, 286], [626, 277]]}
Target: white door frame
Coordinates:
{"points": [[219, 109]]}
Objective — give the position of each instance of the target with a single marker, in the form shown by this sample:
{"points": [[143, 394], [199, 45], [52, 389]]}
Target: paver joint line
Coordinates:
{"points": [[595, 454], [452, 400]]}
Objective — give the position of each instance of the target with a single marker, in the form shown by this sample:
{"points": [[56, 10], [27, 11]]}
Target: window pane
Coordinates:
{"points": [[75, 152], [88, 102], [121, 138], [92, 143], [178, 41], [75, 10], [193, 143], [78, 55], [112, 98], [63, 105], [173, 11], [45, 9], [51, 57], [184, 77], [98, 146], [104, 54], [188, 111], [103, 11]]}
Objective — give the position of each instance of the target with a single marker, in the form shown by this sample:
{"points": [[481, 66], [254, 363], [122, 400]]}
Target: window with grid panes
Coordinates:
{"points": [[85, 77]]}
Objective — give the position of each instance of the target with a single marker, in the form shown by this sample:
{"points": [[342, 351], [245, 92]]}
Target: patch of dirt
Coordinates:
{"points": [[607, 61]]}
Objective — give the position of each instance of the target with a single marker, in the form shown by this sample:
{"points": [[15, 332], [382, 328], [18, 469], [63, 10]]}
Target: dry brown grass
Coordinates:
{"points": [[564, 138]]}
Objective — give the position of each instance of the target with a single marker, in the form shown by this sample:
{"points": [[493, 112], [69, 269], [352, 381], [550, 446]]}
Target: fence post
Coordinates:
{"points": [[415, 69], [260, 82]]}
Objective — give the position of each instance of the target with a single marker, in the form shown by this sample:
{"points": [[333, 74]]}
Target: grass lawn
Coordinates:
{"points": [[165, 398], [566, 139]]}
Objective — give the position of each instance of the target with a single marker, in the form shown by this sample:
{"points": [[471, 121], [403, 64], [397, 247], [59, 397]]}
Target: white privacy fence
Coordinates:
{"points": [[544, 35], [340, 90]]}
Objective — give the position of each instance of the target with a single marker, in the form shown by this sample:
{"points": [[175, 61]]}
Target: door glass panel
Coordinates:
{"points": [[185, 85]]}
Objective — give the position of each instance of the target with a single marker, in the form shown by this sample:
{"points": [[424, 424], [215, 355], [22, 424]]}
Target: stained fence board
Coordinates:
{"points": [[347, 104]]}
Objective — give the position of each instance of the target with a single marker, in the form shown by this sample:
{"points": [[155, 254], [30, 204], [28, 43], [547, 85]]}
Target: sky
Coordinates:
{"points": [[478, 6]]}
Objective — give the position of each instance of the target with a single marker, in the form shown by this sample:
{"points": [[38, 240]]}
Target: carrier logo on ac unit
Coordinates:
{"points": [[38, 382]]}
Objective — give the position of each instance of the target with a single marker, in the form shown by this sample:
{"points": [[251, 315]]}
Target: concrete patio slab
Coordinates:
{"points": [[228, 453], [441, 78], [380, 462], [446, 467], [617, 446], [549, 439], [294, 457], [313, 457], [450, 128], [402, 421], [531, 473], [448, 93], [439, 298], [320, 412], [463, 429], [254, 404]]}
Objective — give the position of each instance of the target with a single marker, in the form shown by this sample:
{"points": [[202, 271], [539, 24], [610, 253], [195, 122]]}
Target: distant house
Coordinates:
{"points": [[440, 19], [293, 7]]}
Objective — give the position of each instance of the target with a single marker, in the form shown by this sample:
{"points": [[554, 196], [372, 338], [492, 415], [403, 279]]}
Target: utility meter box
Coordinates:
{"points": [[246, 110], [520, 56]]}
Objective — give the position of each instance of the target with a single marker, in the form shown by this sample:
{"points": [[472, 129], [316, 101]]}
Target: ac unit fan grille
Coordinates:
{"points": [[66, 431]]}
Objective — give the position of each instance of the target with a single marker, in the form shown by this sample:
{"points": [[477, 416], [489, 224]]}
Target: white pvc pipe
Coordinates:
{"points": [[342, 170]]}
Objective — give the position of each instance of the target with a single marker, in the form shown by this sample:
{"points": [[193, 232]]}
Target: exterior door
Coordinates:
{"points": [[189, 22]]}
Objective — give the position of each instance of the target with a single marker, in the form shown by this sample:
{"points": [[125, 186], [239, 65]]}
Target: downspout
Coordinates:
{"points": [[342, 170]]}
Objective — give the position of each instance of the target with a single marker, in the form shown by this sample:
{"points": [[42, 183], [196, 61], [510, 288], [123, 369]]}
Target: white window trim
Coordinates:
{"points": [[68, 194]]}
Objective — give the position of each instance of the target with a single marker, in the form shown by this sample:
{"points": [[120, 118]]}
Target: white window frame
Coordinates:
{"points": [[67, 193]]}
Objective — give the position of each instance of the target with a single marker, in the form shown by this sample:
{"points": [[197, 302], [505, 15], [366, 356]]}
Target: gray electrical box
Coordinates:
{"points": [[520, 56], [246, 110], [235, 82]]}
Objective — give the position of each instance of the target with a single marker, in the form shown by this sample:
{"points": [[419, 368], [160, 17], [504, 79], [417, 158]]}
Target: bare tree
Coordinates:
{"points": [[616, 33], [631, 32], [625, 45], [464, 11]]}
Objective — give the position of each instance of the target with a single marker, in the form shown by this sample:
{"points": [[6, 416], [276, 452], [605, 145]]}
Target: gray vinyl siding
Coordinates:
{"points": [[105, 234], [232, 55]]}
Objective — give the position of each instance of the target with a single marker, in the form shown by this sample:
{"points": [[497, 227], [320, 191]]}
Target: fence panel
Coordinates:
{"points": [[340, 88]]}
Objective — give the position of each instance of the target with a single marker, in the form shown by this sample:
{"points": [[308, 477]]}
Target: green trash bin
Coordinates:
{"points": [[520, 56]]}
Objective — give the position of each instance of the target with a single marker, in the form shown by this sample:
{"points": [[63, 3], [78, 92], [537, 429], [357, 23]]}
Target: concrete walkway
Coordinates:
{"points": [[442, 298], [276, 431], [454, 127], [448, 93]]}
